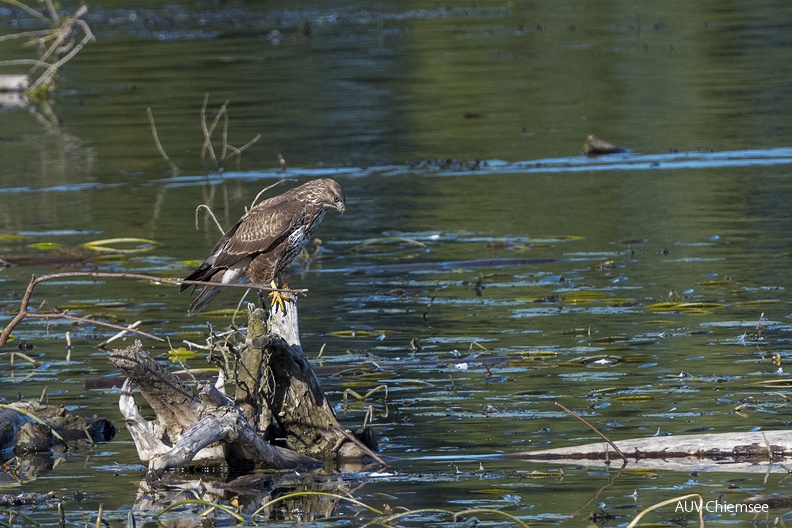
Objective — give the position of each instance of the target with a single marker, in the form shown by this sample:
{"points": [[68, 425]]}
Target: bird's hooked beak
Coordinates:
{"points": [[341, 208]]}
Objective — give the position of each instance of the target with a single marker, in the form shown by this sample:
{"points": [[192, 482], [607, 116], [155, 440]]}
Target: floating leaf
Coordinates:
{"points": [[635, 398], [520, 362], [107, 245], [758, 302], [539, 354], [223, 312], [716, 283], [175, 354], [10, 237], [778, 383], [46, 246], [583, 294], [554, 238], [641, 471], [696, 308], [604, 390], [358, 383], [667, 306], [542, 474]]}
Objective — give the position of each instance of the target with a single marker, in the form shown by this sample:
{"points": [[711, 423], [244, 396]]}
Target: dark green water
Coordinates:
{"points": [[700, 94]]}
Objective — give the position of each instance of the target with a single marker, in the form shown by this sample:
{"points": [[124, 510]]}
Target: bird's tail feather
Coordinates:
{"points": [[205, 297], [208, 292], [204, 272]]}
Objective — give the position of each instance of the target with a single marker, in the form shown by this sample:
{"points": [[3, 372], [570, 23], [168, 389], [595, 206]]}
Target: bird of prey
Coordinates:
{"points": [[266, 239]]}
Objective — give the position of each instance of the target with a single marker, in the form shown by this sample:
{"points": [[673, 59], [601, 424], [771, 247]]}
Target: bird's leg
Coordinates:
{"points": [[278, 297]]}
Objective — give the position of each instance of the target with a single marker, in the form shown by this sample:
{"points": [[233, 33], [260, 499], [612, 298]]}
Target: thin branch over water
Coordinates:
{"points": [[24, 309]]}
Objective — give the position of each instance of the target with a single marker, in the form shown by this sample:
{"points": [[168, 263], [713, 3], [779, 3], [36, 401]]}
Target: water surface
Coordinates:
{"points": [[460, 131]]}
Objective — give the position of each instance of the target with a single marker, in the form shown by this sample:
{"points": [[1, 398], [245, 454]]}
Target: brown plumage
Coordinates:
{"points": [[267, 238]]}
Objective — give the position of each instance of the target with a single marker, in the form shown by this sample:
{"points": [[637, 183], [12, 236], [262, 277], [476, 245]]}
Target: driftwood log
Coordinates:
{"points": [[278, 418], [737, 452]]}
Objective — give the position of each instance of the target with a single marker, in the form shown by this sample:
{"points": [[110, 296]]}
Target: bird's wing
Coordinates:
{"points": [[259, 231]]}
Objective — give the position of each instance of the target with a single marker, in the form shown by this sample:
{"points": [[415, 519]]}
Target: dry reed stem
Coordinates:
{"points": [[613, 445], [64, 31], [174, 168]]}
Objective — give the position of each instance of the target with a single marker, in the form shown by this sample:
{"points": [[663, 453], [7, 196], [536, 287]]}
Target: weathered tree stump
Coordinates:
{"points": [[279, 417], [303, 419]]}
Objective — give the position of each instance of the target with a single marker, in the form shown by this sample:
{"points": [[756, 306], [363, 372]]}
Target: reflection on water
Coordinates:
{"points": [[484, 269]]}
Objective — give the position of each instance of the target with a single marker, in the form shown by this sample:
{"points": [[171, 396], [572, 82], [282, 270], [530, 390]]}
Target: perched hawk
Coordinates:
{"points": [[267, 238]]}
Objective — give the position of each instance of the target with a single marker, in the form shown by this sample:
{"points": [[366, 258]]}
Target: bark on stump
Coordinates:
{"points": [[294, 410]]}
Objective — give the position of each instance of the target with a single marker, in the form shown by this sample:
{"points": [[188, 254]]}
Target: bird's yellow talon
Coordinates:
{"points": [[278, 297]]}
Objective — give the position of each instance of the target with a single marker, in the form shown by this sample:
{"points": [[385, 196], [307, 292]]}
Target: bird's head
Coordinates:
{"points": [[332, 197]]}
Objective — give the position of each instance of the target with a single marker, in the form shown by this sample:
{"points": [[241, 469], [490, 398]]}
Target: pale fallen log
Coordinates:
{"points": [[10, 82], [12, 88], [744, 451]]}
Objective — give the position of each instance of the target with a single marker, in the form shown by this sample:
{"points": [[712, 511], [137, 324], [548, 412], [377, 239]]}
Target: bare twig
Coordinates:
{"points": [[208, 131], [23, 62], [29, 10], [349, 436], [88, 37], [207, 136], [211, 215], [429, 307], [226, 150], [613, 445], [27, 34], [120, 334], [60, 35], [225, 134], [267, 188], [238, 151], [174, 168], [53, 11]]}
